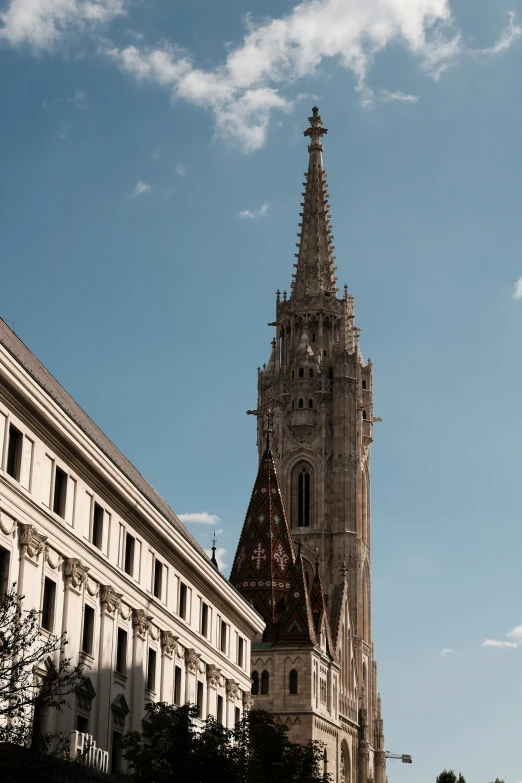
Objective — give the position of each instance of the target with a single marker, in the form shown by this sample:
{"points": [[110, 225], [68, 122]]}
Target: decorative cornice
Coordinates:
{"points": [[192, 660], [3, 527], [140, 622], [232, 689], [213, 675], [168, 643], [31, 542], [110, 600]]}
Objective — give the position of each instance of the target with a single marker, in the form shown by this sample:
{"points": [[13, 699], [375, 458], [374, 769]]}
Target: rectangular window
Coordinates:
{"points": [[14, 453], [121, 652], [82, 724], [240, 651], [177, 686], [49, 598], [158, 578], [219, 716], [116, 753], [129, 554], [199, 699], [183, 600], [60, 492], [97, 526], [151, 670], [204, 619], [4, 572], [237, 717], [88, 629], [223, 639]]}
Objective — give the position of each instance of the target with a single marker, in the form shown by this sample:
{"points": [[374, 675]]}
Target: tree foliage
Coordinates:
{"points": [[31, 682], [448, 776], [172, 748]]}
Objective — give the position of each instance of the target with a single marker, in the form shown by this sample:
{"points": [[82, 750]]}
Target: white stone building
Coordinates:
{"points": [[92, 545]]}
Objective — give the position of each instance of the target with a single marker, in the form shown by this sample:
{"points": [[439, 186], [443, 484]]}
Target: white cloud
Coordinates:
{"points": [[515, 634], [220, 554], [506, 40], [253, 214], [446, 651], [78, 99], [140, 189], [497, 643], [200, 517], [42, 24], [180, 170], [401, 97], [517, 289]]}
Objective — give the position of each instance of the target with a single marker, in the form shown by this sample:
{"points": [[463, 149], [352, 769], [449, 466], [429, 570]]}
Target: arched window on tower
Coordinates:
{"points": [[293, 681], [311, 373], [265, 683], [303, 498], [364, 415], [255, 683], [301, 403], [310, 403]]}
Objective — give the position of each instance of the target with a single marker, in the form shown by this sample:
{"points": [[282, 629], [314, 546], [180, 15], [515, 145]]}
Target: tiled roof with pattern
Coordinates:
{"points": [[45, 380]]}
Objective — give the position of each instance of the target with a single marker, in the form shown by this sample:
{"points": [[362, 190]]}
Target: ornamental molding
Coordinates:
{"points": [[125, 611], [168, 643], [4, 517], [232, 689], [74, 572], [54, 564], [141, 622], [110, 600], [85, 693], [154, 633], [213, 675], [248, 700], [192, 660], [92, 587], [120, 710], [31, 542]]}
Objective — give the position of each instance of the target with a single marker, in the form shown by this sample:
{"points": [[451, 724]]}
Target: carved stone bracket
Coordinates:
{"points": [[31, 542], [232, 689], [192, 660], [74, 572], [168, 643], [213, 675], [110, 600], [248, 700], [140, 622]]}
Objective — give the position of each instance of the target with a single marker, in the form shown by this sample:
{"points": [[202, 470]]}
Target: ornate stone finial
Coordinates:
{"points": [[213, 558], [343, 570], [232, 689], [110, 600], [284, 296], [192, 660], [74, 572], [315, 131], [213, 675], [248, 700], [168, 642], [278, 296], [141, 622], [31, 542]]}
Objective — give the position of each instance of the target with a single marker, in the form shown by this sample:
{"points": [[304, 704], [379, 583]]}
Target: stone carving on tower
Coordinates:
{"points": [[313, 488]]}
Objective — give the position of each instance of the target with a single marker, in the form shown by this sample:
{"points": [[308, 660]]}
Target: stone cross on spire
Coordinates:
{"points": [[315, 272]]}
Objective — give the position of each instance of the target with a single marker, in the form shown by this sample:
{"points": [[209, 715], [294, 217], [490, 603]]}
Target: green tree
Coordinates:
{"points": [[448, 776], [173, 750], [497, 780]]}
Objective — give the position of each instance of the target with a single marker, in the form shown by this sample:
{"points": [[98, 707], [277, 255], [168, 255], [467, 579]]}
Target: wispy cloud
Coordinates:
{"points": [[513, 639], [155, 155], [258, 75], [220, 554], [180, 170], [253, 214], [78, 99], [140, 189], [200, 518], [517, 289], [446, 651]]}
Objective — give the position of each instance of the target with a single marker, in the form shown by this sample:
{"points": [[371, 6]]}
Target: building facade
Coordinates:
{"points": [[107, 562], [315, 398]]}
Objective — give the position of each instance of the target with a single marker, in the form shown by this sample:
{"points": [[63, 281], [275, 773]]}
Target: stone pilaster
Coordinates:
{"points": [[191, 674], [168, 649], [380, 766], [74, 578], [31, 544], [110, 603], [140, 625], [232, 691], [213, 680]]}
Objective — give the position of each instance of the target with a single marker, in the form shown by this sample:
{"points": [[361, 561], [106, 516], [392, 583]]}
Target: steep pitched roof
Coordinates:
{"points": [[315, 270], [43, 377], [319, 613], [266, 570]]}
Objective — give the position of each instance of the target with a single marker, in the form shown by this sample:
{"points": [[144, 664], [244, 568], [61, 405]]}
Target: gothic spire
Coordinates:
{"points": [[319, 613], [315, 271], [265, 568]]}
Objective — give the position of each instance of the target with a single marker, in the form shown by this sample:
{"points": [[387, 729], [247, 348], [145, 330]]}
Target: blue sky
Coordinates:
{"points": [[151, 158]]}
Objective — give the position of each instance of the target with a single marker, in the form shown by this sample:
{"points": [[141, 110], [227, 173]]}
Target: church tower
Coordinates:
{"points": [[315, 395]]}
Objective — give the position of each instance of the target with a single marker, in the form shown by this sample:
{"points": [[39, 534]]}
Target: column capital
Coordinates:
{"points": [[213, 675], [140, 622], [248, 700], [168, 643], [192, 660], [30, 541], [232, 689], [110, 600], [74, 572]]}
